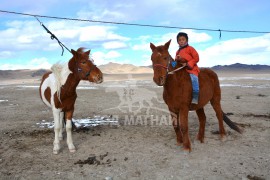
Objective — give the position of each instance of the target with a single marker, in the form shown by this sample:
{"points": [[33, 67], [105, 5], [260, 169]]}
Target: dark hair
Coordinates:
{"points": [[182, 34]]}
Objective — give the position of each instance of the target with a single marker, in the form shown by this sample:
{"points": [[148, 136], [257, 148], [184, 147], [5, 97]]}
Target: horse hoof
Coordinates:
{"points": [[179, 144], [223, 138], [201, 140], [187, 150], [72, 150], [56, 148]]}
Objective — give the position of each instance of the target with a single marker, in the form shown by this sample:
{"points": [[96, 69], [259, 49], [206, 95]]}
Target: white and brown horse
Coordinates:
{"points": [[58, 91]]}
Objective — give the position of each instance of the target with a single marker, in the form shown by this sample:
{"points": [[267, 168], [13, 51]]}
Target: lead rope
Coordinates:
{"points": [[53, 37]]}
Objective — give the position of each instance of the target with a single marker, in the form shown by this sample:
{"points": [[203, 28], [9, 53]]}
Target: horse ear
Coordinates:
{"points": [[167, 44], [88, 52], [152, 46], [73, 52]]}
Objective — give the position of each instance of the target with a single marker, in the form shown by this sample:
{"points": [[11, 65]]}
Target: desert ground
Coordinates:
{"points": [[138, 140]]}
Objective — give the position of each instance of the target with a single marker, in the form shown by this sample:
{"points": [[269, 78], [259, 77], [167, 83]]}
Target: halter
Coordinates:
{"points": [[89, 72], [91, 69], [167, 67]]}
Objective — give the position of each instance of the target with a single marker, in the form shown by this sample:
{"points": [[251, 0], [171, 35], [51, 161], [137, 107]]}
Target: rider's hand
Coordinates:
{"points": [[178, 57], [184, 64]]}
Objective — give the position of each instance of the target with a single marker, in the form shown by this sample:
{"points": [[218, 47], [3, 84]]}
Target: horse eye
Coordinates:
{"points": [[83, 62]]}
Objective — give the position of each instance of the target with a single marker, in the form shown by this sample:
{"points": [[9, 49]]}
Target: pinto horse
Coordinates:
{"points": [[177, 95], [58, 91]]}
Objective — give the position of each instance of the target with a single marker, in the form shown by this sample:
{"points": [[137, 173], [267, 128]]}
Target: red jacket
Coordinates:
{"points": [[192, 57]]}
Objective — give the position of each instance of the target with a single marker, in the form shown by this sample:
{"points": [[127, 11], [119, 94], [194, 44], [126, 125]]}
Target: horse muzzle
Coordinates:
{"points": [[98, 78], [160, 81]]}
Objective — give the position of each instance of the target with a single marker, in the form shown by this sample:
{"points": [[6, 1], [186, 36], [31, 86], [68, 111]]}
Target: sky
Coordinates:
{"points": [[25, 44]]}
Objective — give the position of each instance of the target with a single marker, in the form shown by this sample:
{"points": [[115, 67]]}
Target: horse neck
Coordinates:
{"points": [[73, 78], [66, 77], [173, 80]]}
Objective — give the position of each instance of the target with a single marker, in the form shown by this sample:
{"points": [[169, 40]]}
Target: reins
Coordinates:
{"points": [[167, 67], [177, 69]]}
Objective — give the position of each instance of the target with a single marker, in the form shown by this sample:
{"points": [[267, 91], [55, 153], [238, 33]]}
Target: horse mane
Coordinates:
{"points": [[61, 72], [81, 50], [159, 49]]}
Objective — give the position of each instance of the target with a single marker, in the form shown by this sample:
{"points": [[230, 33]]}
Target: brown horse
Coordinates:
{"points": [[177, 95], [58, 91]]}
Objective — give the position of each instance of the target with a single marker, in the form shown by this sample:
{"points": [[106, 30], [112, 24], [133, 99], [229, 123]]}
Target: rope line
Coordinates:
{"points": [[53, 37], [135, 24]]}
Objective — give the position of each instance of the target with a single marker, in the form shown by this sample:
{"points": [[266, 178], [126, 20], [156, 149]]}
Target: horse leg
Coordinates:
{"points": [[70, 144], [176, 126], [56, 143], [217, 107], [61, 125], [202, 119], [184, 129]]}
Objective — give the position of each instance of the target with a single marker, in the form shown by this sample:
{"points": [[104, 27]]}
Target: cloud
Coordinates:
{"points": [[5, 54], [128, 11], [37, 63], [114, 45], [103, 58], [194, 37], [146, 60], [254, 50], [144, 43], [30, 36], [98, 33]]}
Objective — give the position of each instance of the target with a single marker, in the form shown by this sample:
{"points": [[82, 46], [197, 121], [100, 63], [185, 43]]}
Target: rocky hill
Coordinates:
{"points": [[115, 68]]}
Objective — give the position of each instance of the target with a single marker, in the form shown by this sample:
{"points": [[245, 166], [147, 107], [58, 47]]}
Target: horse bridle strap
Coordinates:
{"points": [[173, 71], [160, 65], [167, 68], [89, 72]]}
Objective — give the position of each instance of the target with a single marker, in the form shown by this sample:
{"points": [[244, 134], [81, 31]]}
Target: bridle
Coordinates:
{"points": [[169, 58], [91, 69], [89, 72]]}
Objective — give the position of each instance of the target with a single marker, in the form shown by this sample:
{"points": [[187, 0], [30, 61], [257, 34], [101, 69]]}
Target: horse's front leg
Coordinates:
{"points": [[70, 144], [61, 125], [56, 143], [183, 118]]}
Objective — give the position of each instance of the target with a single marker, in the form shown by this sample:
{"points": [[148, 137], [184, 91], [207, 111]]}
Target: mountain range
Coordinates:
{"points": [[242, 67], [115, 68]]}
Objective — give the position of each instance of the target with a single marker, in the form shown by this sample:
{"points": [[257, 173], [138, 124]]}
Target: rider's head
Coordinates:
{"points": [[182, 39]]}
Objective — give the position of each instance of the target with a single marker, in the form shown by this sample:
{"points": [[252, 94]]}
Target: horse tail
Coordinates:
{"points": [[231, 124]]}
